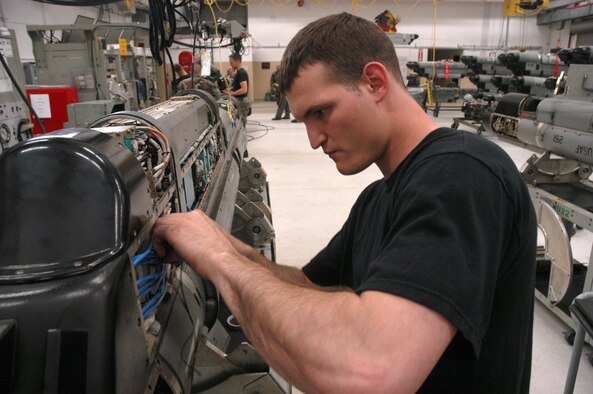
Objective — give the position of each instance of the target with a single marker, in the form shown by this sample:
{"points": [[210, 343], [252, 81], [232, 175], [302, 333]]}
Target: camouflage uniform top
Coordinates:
{"points": [[275, 84], [202, 84]]}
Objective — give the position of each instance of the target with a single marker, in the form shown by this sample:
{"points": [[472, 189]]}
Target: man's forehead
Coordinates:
{"points": [[312, 90], [306, 75]]}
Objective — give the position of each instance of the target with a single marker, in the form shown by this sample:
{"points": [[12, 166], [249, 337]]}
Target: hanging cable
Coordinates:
{"points": [[189, 23], [408, 9], [230, 106], [528, 10], [280, 4], [354, 7], [220, 9], [371, 2], [18, 88], [163, 26], [522, 29], [319, 3], [174, 88]]}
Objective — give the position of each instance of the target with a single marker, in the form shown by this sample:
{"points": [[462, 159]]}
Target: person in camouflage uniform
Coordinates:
{"points": [[280, 98], [200, 82]]}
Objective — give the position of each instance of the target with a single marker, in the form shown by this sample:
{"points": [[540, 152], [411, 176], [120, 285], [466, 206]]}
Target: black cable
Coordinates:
{"points": [[101, 11], [194, 47], [185, 44], [170, 10], [16, 85], [156, 30], [183, 3], [161, 12], [191, 27], [193, 52], [152, 39], [260, 127], [165, 75], [173, 77], [21, 134]]}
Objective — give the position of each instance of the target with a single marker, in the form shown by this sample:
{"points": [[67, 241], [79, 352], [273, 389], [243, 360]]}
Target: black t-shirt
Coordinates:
{"points": [[453, 229], [240, 76]]}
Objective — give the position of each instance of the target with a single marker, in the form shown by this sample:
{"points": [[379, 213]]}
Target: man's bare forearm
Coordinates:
{"points": [[282, 320], [290, 274], [321, 338]]}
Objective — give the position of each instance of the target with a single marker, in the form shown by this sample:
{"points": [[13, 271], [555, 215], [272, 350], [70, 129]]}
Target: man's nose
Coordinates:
{"points": [[316, 136]]}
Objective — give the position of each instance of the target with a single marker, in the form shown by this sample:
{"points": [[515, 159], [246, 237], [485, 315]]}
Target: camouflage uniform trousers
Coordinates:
{"points": [[244, 107]]}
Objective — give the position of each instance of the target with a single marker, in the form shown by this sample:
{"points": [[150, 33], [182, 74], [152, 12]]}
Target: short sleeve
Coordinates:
{"points": [[324, 269], [241, 76], [332, 266]]}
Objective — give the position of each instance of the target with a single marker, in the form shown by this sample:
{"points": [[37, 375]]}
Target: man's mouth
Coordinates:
{"points": [[331, 153]]}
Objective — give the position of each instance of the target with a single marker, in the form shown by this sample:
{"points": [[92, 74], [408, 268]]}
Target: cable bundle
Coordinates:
{"points": [[162, 27], [152, 150], [152, 286]]}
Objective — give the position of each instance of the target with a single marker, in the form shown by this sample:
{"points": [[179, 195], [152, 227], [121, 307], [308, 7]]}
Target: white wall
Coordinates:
{"points": [[272, 23], [459, 23]]}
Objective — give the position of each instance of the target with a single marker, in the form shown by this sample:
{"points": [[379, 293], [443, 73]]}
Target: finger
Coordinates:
{"points": [[162, 247], [160, 233], [159, 245]]}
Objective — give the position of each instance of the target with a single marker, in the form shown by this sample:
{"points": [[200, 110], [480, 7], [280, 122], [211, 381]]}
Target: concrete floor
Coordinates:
{"points": [[311, 200]]}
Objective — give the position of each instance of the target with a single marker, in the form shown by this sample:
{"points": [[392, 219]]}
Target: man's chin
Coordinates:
{"points": [[349, 170]]}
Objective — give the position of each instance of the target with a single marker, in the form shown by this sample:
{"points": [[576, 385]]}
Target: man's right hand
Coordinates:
{"points": [[194, 238]]}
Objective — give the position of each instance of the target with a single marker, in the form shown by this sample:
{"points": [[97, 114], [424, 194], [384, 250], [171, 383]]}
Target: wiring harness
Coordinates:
{"points": [[163, 26], [152, 274]]}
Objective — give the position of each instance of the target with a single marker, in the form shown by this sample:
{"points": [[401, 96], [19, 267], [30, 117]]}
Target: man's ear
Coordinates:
{"points": [[376, 79]]}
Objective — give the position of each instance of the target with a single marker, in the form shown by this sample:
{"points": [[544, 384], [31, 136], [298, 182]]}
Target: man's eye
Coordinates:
{"points": [[320, 112]]}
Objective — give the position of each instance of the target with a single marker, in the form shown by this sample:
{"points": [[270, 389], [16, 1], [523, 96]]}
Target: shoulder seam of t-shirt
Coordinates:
{"points": [[470, 156], [483, 164]]}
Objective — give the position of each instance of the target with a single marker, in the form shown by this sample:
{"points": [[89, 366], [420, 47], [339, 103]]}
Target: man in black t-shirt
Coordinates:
{"points": [[429, 285], [240, 86]]}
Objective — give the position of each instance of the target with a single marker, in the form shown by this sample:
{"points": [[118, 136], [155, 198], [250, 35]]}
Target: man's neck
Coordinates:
{"points": [[410, 126]]}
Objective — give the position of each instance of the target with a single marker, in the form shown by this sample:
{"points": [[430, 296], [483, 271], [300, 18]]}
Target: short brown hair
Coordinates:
{"points": [[344, 42], [236, 56]]}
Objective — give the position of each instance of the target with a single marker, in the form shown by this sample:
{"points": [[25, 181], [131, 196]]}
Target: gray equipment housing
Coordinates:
{"points": [[71, 315], [15, 125], [87, 56], [558, 180]]}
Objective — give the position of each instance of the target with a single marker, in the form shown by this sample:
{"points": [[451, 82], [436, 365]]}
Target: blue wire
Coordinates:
{"points": [[148, 283], [146, 288], [139, 257], [159, 270], [147, 277]]}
